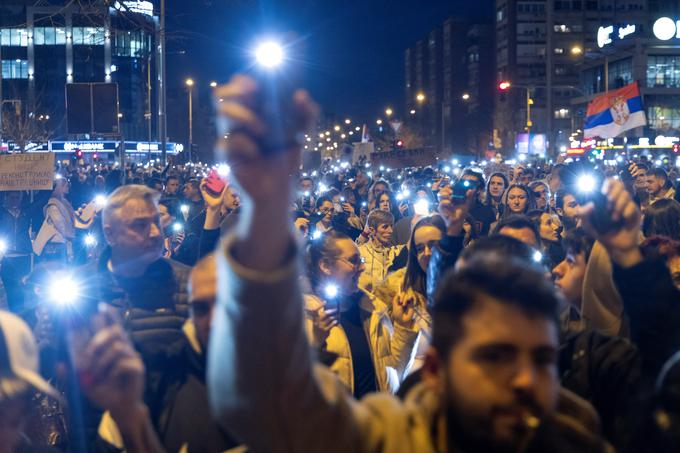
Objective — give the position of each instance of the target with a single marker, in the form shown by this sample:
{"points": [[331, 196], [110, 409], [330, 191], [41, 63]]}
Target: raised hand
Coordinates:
{"points": [[454, 213]]}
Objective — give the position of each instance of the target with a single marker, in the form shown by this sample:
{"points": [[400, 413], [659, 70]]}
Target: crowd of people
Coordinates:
{"points": [[258, 306]]}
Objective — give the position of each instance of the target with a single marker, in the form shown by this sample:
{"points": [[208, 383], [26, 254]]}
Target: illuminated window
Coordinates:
{"points": [[559, 50], [562, 114], [14, 69]]}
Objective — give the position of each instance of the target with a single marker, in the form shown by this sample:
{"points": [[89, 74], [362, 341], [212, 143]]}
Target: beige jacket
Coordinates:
{"points": [[391, 345]]}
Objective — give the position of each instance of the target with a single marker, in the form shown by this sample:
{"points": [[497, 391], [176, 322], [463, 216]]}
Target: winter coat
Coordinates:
{"points": [[391, 344], [377, 261]]}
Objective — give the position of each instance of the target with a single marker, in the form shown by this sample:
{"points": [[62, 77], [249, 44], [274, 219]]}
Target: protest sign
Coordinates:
{"points": [[27, 171], [401, 158]]}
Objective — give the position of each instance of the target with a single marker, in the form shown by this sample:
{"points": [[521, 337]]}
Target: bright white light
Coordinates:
{"points": [[306, 194], [184, 209], [90, 240], [522, 157], [177, 227], [316, 235], [456, 171], [3, 246], [664, 28], [323, 188], [586, 183], [344, 164], [406, 192], [454, 161], [64, 291], [538, 256], [223, 170], [367, 165], [269, 54], [400, 196], [447, 169], [382, 168], [331, 291], [658, 163], [422, 207], [100, 200], [619, 159]]}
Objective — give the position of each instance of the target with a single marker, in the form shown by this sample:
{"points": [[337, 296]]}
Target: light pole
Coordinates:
{"points": [[190, 83]]}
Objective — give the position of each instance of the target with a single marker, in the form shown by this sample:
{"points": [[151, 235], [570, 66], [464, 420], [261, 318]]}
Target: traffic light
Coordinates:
{"points": [[79, 153], [504, 85], [95, 156]]}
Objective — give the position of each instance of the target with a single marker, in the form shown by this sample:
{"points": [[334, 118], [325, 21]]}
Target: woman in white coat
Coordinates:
{"points": [[369, 346]]}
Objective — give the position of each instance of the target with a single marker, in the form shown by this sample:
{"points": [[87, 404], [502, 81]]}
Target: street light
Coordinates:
{"points": [[465, 96], [576, 50], [190, 83], [412, 112], [348, 121], [420, 97], [388, 112], [213, 84], [378, 122], [269, 54], [336, 128]]}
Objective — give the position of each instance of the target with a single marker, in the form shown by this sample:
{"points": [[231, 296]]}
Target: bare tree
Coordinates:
{"points": [[24, 129]]}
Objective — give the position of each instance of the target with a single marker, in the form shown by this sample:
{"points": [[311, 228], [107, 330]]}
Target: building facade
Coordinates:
{"points": [[447, 93], [542, 47], [48, 44]]}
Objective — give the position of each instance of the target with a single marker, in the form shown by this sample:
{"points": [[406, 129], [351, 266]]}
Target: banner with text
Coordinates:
{"points": [[401, 158], [28, 171]]}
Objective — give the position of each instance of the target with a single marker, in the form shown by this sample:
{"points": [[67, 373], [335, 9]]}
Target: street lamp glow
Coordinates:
{"points": [[348, 121], [269, 54], [213, 84], [465, 96], [189, 82], [420, 97], [388, 112], [413, 112], [576, 50], [336, 128]]}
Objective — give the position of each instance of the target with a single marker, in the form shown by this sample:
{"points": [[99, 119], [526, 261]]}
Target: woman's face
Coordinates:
{"points": [[384, 203], [166, 218], [344, 270], [425, 238], [496, 186], [326, 209], [517, 200], [550, 227]]}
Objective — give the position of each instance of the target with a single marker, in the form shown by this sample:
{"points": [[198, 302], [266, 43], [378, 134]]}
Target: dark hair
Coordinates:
{"points": [[194, 182], [321, 248], [171, 177], [517, 222], [321, 200], [415, 278], [559, 197], [476, 174], [531, 204], [507, 280], [394, 206], [502, 245], [506, 183], [662, 218], [578, 241], [535, 216]]}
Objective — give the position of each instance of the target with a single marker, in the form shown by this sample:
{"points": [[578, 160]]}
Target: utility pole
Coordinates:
{"points": [[550, 71], [162, 117]]}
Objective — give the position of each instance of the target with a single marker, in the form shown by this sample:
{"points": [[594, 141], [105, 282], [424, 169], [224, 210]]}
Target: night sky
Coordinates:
{"points": [[354, 50]]}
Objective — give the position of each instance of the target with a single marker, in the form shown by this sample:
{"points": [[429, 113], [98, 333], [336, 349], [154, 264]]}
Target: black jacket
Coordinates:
{"points": [[444, 257], [14, 231], [652, 303]]}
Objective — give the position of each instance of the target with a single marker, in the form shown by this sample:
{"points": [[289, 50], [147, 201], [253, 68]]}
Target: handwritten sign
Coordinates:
{"points": [[405, 158], [29, 171]]}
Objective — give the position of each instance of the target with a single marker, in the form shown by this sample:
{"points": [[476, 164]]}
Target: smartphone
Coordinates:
{"points": [[214, 183], [338, 208], [461, 188]]}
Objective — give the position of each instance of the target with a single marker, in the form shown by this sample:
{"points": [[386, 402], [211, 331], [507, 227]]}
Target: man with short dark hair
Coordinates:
{"points": [[171, 187], [521, 228], [659, 185], [483, 215], [566, 206]]}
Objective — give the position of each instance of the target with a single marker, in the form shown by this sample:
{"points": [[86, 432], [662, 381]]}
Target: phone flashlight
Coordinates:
{"points": [[537, 257], [422, 207], [184, 209], [331, 291], [100, 201], [586, 183], [90, 240], [64, 291], [3, 246], [177, 227]]}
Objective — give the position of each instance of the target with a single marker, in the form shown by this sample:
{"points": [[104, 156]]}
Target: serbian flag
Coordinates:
{"points": [[365, 137], [615, 112]]}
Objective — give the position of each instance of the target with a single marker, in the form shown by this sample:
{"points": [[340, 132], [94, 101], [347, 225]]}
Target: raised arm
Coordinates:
{"points": [[261, 382]]}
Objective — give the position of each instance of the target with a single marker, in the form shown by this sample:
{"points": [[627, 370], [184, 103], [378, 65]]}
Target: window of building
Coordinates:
{"points": [[60, 36], [560, 69], [663, 71], [561, 28], [14, 69], [562, 114], [559, 50], [14, 37], [499, 15], [620, 73], [663, 118], [55, 36]]}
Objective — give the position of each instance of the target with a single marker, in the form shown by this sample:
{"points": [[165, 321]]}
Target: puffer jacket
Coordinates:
{"points": [[391, 345]]}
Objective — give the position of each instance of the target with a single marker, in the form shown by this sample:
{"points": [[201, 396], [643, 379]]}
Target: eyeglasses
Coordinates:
{"points": [[355, 261]]}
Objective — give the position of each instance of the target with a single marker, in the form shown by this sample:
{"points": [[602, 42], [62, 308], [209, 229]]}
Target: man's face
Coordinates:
{"points": [[383, 234], [525, 235], [500, 373], [554, 182], [641, 180], [189, 191], [569, 276], [569, 211], [306, 185], [655, 185], [378, 188], [541, 196], [496, 186], [136, 233], [172, 186], [202, 300]]}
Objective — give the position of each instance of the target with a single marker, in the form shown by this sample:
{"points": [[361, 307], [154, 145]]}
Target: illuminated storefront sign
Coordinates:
{"points": [[666, 28], [139, 7], [606, 35]]}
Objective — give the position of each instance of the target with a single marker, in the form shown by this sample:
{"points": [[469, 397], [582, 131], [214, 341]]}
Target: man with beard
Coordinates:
{"points": [[490, 378], [567, 205]]}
